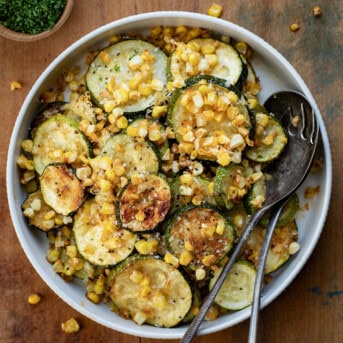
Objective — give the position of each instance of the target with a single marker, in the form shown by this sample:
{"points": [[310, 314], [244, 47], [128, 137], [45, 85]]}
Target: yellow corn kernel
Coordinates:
{"points": [[121, 95], [212, 313], [210, 188], [52, 255], [105, 185], [105, 57], [242, 48], [186, 179], [189, 246], [200, 274], [136, 276], [159, 111], [15, 85], [208, 231], [156, 84], [310, 192], [238, 221], [122, 122], [140, 216], [132, 131], [171, 259], [215, 10], [154, 135], [27, 145], [36, 205], [208, 49], [220, 228], [107, 208], [71, 251], [70, 326], [49, 215], [186, 148], [223, 158], [269, 139], [109, 105], [136, 179], [185, 258], [188, 137], [294, 27], [159, 301], [34, 299], [111, 85], [212, 59], [135, 81], [252, 103], [114, 39], [145, 89], [208, 260], [93, 297], [25, 163], [145, 291]]}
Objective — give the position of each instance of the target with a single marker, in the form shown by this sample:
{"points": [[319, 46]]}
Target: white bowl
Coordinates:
{"points": [[275, 74]]}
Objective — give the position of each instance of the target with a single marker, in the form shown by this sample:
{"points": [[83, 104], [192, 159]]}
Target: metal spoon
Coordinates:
{"points": [[287, 174]]}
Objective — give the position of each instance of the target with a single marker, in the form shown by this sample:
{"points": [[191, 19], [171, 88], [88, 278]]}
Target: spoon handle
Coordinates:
{"points": [[255, 309], [194, 326]]}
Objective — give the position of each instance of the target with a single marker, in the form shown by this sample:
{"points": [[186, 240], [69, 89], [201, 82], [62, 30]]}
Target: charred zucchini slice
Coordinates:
{"points": [[144, 202], [256, 196], [151, 291], [125, 67], [139, 156], [269, 140], [211, 120], [98, 237], [282, 246], [237, 290], [36, 210], [207, 56], [61, 189], [202, 232], [56, 140]]}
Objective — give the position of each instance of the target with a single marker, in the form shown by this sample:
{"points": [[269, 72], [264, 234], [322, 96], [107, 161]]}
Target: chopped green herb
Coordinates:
{"points": [[30, 16], [117, 68], [135, 52]]}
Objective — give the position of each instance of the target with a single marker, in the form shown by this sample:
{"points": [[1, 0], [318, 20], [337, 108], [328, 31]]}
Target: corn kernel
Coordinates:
{"points": [[269, 139], [132, 131], [71, 251], [208, 231], [189, 246], [208, 260], [185, 258], [220, 228], [136, 276], [210, 188], [114, 39], [186, 179], [140, 216], [15, 85], [105, 57], [145, 89], [52, 255], [49, 215], [70, 326], [122, 122], [34, 299], [109, 105], [154, 135], [200, 274], [294, 27], [171, 259], [159, 301], [215, 10], [223, 158], [25, 163], [317, 11], [159, 111]]}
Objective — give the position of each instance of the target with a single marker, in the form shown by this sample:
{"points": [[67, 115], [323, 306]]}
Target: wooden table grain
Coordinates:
{"points": [[310, 309]]}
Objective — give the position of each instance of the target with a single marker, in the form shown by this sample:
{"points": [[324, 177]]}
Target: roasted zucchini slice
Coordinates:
{"points": [[58, 140], [139, 156], [237, 291], [61, 189], [98, 237], [201, 232], [143, 203], [126, 67], [211, 121], [269, 139], [256, 196], [37, 212], [207, 56], [283, 244], [151, 291]]}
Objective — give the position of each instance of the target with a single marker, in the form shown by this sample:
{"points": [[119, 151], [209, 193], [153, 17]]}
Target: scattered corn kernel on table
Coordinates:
{"points": [[310, 309]]}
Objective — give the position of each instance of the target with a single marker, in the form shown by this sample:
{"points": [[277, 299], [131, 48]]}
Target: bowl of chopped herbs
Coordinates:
{"points": [[30, 20]]}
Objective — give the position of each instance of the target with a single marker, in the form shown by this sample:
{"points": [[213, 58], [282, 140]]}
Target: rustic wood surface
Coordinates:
{"points": [[310, 310]]}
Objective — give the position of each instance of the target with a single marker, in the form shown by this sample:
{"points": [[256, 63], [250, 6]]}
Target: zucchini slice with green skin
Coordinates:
{"points": [[229, 185], [154, 131], [151, 291], [36, 203], [143, 203], [256, 196], [237, 291], [98, 237], [207, 56], [117, 65], [199, 188], [208, 232], [61, 189], [287, 215], [280, 248], [55, 137], [139, 156], [269, 140], [211, 118]]}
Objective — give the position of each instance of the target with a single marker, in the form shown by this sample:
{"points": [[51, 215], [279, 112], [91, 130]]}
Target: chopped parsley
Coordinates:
{"points": [[30, 16]]}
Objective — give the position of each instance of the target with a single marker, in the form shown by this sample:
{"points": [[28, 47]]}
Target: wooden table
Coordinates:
{"points": [[310, 310]]}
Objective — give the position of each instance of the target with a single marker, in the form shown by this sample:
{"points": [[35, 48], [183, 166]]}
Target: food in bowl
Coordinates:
{"points": [[143, 170]]}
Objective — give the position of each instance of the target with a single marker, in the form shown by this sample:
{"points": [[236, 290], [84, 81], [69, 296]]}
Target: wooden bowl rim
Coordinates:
{"points": [[25, 37]]}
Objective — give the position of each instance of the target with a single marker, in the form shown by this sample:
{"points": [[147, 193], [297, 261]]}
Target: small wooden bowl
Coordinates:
{"points": [[24, 37]]}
